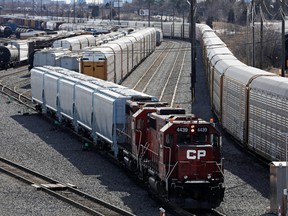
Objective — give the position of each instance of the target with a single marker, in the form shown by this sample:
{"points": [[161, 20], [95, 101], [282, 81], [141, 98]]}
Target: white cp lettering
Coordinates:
{"points": [[193, 154]]}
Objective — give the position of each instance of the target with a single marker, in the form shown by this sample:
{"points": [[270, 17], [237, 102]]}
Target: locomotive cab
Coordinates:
{"points": [[188, 154]]}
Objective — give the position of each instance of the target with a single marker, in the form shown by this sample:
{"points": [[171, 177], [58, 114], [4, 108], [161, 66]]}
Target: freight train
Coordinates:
{"points": [[244, 120], [16, 52], [251, 104], [178, 155], [113, 58], [178, 30]]}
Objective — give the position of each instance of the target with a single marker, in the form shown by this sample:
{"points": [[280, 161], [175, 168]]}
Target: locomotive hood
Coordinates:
{"points": [[196, 163]]}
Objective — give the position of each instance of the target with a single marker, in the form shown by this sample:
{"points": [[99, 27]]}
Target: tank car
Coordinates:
{"points": [[176, 154], [14, 53], [9, 55], [6, 31]]}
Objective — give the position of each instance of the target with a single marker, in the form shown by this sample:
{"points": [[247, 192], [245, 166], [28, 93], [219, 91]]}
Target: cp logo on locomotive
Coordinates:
{"points": [[193, 154]]}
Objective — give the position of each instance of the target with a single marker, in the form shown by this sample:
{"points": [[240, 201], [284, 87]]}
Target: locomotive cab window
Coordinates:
{"points": [[215, 140], [139, 124], [200, 138], [184, 139], [169, 140], [152, 122]]}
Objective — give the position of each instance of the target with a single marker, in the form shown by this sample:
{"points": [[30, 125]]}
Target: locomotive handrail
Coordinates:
{"points": [[169, 160], [138, 156], [167, 176], [122, 132], [139, 144], [217, 164]]}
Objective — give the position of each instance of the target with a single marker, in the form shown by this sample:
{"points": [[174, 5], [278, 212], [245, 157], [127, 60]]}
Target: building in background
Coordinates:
{"points": [[116, 1], [81, 1]]}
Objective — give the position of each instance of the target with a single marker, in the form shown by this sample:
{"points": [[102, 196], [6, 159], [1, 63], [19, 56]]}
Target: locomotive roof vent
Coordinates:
{"points": [[141, 98], [185, 118], [155, 104], [169, 111]]}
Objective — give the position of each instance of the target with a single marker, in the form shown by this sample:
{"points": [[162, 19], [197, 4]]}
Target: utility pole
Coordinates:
{"points": [[253, 33], [247, 35], [261, 39], [110, 11], [118, 12], [283, 39], [74, 6], [193, 47], [183, 22], [57, 6], [149, 7]]}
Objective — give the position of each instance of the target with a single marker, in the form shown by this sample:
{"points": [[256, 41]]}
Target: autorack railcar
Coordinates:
{"points": [[251, 104], [116, 59]]}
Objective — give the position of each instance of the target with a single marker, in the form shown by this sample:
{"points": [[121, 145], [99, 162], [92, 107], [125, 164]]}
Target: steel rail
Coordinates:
{"points": [[174, 70], [158, 63], [62, 191]]}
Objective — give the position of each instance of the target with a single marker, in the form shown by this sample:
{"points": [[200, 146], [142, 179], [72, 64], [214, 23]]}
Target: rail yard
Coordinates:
{"points": [[46, 148], [246, 101]]}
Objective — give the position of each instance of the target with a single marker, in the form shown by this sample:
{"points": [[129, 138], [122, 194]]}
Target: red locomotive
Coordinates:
{"points": [[178, 154]]}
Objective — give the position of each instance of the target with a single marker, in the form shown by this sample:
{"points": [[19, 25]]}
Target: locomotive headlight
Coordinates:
{"points": [[192, 128], [209, 176]]}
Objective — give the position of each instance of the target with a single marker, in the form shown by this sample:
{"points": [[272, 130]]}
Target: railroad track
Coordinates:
{"points": [[17, 96], [66, 192], [163, 73], [13, 72], [149, 73], [171, 85]]}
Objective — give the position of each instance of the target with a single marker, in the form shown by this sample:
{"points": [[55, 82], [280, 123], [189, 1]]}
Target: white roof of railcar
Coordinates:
{"points": [[218, 51], [123, 42], [221, 57], [244, 74], [82, 77], [214, 41], [271, 84], [204, 28], [137, 35], [130, 93], [224, 64], [106, 51], [115, 47]]}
